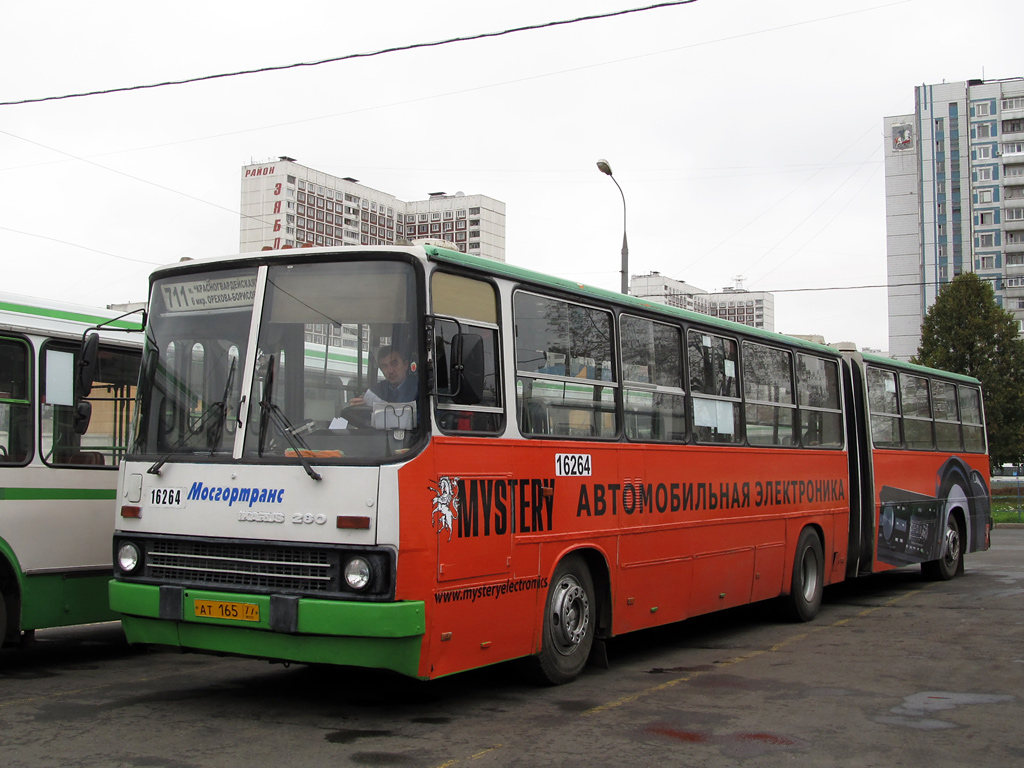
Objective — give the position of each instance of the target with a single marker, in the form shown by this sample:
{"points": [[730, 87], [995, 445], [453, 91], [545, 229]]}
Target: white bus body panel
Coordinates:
{"points": [[57, 534], [278, 503]]}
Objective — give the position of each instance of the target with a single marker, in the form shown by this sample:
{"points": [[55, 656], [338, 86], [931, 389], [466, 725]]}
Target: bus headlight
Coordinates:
{"points": [[128, 557], [357, 573]]}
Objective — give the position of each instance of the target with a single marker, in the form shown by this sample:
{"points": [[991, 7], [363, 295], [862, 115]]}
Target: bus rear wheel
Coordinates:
{"points": [[952, 560], [808, 582], [569, 623], [3, 620]]}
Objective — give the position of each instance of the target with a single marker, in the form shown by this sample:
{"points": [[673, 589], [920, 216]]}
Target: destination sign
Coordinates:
{"points": [[214, 293]]}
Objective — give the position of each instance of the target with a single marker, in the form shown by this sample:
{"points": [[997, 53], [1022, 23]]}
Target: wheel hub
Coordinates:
{"points": [[810, 575], [952, 545], [570, 615]]}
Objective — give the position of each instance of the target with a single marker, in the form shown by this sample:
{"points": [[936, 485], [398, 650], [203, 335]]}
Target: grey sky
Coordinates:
{"points": [[747, 136]]}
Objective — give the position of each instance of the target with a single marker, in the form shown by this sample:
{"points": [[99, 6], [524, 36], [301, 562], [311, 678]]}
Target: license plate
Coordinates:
{"points": [[220, 609]]}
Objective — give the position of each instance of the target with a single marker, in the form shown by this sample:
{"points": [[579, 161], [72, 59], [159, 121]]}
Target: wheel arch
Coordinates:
{"points": [[10, 590]]}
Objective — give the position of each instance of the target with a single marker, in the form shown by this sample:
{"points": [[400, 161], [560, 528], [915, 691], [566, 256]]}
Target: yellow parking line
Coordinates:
{"points": [[746, 657]]}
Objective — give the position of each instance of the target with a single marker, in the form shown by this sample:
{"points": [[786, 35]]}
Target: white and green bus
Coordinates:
{"points": [[58, 460]]}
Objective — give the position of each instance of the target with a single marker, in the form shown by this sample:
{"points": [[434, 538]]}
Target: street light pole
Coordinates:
{"points": [[604, 167]]}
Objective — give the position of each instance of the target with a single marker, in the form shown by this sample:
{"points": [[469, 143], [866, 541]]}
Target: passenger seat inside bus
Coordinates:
{"points": [[536, 417]]}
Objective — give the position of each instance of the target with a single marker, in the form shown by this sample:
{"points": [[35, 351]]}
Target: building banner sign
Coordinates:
{"points": [[902, 137]]}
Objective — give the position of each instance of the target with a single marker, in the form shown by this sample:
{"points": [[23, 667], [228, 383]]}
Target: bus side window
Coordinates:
{"points": [[15, 403], [947, 416], [821, 418], [566, 382], [714, 388], [917, 412], [769, 408], [884, 409], [652, 373], [971, 417]]}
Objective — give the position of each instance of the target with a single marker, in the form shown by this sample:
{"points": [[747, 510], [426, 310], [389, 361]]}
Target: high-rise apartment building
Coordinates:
{"points": [[665, 290], [753, 308], [954, 193], [285, 204]]}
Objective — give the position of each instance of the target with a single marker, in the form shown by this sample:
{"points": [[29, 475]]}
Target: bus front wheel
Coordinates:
{"points": [[808, 577], [951, 561], [569, 623]]}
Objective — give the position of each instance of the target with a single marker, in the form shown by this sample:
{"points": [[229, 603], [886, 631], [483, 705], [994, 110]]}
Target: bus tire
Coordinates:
{"points": [[808, 581], [952, 560], [570, 618], [3, 620]]}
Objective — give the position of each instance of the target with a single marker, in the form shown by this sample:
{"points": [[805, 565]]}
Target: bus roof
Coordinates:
{"points": [[512, 272], [496, 269], [588, 291], [27, 313], [922, 369]]}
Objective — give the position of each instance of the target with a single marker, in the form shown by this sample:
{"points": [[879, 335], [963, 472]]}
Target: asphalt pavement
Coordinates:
{"points": [[895, 671]]}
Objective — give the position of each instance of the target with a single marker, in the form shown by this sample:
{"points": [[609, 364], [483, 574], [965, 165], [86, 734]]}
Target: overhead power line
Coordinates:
{"points": [[869, 286], [134, 178], [350, 56], [78, 245]]}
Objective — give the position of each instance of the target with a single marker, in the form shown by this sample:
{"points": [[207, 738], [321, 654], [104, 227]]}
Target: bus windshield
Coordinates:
{"points": [[333, 377]]}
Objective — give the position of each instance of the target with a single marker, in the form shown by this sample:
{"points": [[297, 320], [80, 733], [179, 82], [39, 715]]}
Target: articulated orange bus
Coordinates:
{"points": [[415, 459]]}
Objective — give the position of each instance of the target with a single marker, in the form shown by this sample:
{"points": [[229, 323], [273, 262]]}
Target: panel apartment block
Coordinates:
{"points": [[954, 191], [285, 204]]}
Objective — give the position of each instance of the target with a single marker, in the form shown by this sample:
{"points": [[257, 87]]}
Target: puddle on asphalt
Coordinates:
{"points": [[916, 710]]}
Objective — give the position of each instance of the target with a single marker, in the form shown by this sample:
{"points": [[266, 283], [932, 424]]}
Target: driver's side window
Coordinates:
{"points": [[469, 341]]}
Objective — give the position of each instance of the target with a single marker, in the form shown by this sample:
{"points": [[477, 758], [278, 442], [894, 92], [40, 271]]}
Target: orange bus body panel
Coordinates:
{"points": [[681, 531], [917, 484]]}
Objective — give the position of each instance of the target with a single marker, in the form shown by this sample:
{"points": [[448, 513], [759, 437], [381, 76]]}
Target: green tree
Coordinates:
{"points": [[966, 331]]}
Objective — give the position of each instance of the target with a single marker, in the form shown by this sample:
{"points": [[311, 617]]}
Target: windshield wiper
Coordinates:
{"points": [[218, 429], [270, 411], [219, 409]]}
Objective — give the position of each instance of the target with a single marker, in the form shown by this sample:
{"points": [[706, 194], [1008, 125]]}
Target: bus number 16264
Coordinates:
{"points": [[165, 497], [572, 464]]}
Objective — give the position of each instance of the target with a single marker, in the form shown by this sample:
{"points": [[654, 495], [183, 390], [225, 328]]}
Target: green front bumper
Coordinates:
{"points": [[307, 630]]}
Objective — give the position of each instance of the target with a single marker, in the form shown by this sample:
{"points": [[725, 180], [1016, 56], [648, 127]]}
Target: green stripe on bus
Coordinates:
{"points": [[60, 314], [59, 494]]}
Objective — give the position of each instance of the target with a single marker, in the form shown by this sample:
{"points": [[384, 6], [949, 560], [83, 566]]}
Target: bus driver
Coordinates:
{"points": [[399, 385]]}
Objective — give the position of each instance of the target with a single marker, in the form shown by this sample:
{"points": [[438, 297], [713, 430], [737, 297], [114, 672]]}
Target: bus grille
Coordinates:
{"points": [[257, 567]]}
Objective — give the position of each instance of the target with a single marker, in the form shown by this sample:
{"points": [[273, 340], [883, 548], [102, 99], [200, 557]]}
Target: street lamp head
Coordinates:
{"points": [[604, 167]]}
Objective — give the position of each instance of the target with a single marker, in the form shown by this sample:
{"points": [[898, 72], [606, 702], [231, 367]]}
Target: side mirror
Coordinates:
{"points": [[83, 414], [87, 362], [467, 368]]}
